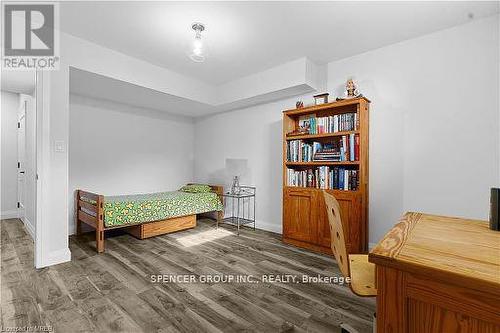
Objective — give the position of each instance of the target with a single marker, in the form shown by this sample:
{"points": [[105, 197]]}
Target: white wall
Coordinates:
{"points": [[117, 149], [434, 129], [8, 120], [434, 122], [254, 134]]}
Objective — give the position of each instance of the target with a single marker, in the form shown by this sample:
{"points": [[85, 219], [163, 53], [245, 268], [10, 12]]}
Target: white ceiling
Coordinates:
{"points": [[105, 88], [20, 82], [248, 37]]}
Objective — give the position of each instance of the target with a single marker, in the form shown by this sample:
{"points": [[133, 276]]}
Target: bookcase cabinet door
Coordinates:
{"points": [[350, 205], [300, 211]]}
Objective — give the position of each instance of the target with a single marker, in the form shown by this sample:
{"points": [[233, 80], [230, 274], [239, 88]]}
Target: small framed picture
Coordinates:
{"points": [[305, 123], [321, 99]]}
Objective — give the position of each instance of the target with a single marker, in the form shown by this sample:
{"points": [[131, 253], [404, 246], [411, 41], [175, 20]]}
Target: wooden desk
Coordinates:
{"points": [[438, 274]]}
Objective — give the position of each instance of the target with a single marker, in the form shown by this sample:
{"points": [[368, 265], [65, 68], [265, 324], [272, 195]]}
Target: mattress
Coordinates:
{"points": [[140, 208]]}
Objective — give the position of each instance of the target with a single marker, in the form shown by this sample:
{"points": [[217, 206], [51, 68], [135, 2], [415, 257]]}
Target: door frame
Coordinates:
{"points": [[21, 117], [39, 120]]}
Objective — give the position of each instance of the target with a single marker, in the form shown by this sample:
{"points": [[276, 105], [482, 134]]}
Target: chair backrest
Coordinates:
{"points": [[337, 240]]}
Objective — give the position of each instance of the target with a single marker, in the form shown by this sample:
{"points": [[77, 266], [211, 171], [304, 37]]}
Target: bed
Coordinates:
{"points": [[146, 215]]}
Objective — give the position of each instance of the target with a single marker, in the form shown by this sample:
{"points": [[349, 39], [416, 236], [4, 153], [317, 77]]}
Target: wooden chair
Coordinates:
{"points": [[355, 266]]}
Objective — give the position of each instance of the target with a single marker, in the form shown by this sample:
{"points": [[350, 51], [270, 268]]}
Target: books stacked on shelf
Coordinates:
{"points": [[324, 177], [328, 153], [300, 151], [330, 124], [345, 148]]}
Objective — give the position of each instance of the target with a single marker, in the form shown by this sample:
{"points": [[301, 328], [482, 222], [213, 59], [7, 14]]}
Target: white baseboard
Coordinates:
{"points": [[277, 228], [273, 227], [71, 229], [30, 228], [9, 214], [56, 257]]}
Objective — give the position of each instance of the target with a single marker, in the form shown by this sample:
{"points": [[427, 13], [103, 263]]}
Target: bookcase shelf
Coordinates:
{"points": [[332, 191], [320, 136], [333, 107], [320, 163], [305, 221]]}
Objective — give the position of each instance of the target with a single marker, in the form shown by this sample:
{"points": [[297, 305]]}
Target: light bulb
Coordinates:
{"points": [[197, 50], [197, 44]]}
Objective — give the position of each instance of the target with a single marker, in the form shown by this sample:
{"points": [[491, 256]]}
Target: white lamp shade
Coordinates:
{"points": [[236, 166]]}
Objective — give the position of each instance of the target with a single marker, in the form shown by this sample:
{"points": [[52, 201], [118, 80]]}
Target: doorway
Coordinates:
{"points": [[18, 183]]}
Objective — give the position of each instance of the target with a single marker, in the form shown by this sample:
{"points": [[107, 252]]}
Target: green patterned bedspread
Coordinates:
{"points": [[139, 208]]}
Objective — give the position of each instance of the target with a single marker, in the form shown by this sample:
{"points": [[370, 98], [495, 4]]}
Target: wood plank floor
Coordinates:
{"points": [[113, 291]]}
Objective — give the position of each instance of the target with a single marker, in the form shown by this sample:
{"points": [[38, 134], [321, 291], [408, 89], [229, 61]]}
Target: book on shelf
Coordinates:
{"points": [[330, 124], [324, 177], [344, 148]]}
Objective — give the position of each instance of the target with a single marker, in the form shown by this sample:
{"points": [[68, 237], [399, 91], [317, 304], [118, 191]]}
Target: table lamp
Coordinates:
{"points": [[236, 167]]}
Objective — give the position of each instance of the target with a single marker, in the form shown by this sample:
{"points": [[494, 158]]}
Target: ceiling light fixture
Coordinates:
{"points": [[198, 50]]}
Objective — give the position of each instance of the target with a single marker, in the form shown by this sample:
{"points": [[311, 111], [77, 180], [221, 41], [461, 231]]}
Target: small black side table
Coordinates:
{"points": [[246, 195]]}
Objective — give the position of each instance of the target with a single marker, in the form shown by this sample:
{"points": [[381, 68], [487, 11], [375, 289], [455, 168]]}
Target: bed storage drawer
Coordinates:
{"points": [[156, 228], [166, 226]]}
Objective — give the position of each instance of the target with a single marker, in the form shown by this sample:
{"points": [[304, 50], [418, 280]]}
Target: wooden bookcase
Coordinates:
{"points": [[305, 221]]}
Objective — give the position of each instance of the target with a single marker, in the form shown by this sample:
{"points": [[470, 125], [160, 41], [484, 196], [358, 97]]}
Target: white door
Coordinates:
{"points": [[21, 157]]}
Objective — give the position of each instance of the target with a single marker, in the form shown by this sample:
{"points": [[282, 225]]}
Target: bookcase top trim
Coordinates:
{"points": [[313, 108]]}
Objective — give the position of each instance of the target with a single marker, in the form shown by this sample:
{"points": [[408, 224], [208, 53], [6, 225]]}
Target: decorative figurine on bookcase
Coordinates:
{"points": [[321, 99], [351, 90], [299, 104]]}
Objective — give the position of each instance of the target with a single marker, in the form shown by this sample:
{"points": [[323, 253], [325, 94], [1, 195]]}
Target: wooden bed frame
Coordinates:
{"points": [[142, 230]]}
